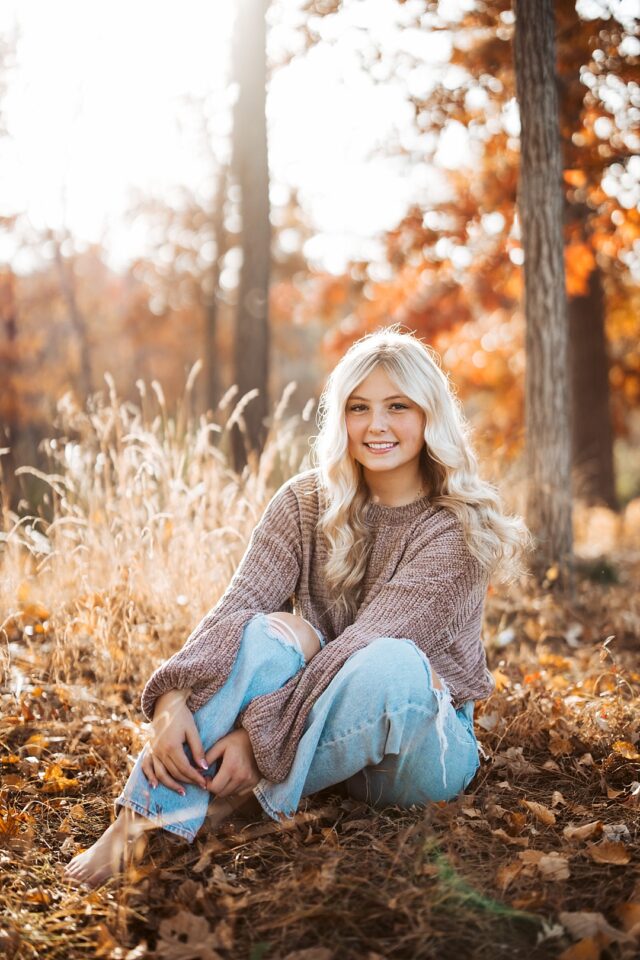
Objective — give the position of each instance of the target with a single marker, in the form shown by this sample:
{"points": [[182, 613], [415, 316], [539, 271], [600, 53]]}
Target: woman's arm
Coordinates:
{"points": [[266, 577]]}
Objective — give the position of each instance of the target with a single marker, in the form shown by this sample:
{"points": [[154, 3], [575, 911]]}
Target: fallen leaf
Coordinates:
{"points": [[508, 873], [626, 750], [609, 851], [185, 937], [557, 798], [502, 680], [516, 841], [516, 820], [583, 831], [629, 916], [581, 924], [560, 747], [37, 895], [488, 721], [587, 949], [551, 866], [540, 812], [531, 901], [54, 780]]}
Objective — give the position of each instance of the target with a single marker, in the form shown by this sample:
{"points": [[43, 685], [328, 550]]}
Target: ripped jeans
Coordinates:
{"points": [[380, 728]]}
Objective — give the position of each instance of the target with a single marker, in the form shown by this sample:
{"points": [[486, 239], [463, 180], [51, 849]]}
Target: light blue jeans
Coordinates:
{"points": [[380, 727]]}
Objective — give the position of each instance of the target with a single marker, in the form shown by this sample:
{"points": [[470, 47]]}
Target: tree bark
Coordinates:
{"points": [[251, 171], [213, 380], [540, 202], [592, 434]]}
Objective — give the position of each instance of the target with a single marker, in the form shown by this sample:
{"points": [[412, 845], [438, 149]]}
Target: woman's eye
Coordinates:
{"points": [[356, 408], [400, 406]]}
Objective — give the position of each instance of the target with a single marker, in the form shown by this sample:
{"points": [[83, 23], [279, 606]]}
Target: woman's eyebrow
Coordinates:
{"points": [[396, 396]]}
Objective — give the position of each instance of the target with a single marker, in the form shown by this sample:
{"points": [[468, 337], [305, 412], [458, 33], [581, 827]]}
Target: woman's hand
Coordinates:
{"points": [[164, 760], [238, 773]]}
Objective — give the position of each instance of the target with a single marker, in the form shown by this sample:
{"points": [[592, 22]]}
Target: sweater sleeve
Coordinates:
{"points": [[436, 587], [266, 577]]}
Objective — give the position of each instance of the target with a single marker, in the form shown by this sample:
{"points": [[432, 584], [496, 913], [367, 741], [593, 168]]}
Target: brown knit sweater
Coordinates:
{"points": [[421, 583]]}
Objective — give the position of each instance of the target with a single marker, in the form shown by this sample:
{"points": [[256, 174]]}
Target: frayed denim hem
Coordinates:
{"points": [[276, 815], [156, 821]]}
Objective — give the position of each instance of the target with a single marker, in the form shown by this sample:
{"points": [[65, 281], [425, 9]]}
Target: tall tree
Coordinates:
{"points": [[540, 203], [456, 267], [77, 319], [251, 172]]}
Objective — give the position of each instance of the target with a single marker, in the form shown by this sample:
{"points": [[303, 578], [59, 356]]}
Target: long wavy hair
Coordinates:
{"points": [[448, 461]]}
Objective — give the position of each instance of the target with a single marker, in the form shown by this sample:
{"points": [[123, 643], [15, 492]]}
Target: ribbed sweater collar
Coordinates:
{"points": [[382, 515]]}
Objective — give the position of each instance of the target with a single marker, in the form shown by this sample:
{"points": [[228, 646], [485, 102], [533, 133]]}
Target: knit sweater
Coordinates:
{"points": [[421, 583]]}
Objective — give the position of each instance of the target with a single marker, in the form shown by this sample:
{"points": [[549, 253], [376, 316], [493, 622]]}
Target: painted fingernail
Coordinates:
{"points": [[203, 763], [181, 792], [153, 786]]}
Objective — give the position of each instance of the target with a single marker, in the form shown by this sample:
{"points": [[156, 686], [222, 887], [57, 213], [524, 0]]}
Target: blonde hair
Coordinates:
{"points": [[449, 464]]}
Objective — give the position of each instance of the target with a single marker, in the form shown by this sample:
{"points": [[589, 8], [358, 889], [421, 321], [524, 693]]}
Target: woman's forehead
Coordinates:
{"points": [[378, 385]]}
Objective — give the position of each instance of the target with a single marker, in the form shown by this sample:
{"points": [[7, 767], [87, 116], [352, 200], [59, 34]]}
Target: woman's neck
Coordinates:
{"points": [[395, 491]]}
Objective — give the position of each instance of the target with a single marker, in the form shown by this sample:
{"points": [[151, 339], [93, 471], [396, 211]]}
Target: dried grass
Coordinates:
{"points": [[147, 523]]}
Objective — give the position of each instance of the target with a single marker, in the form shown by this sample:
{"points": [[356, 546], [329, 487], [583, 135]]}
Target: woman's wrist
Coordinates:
{"points": [[174, 696]]}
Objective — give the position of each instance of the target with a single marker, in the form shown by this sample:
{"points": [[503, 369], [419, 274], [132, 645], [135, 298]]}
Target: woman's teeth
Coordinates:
{"points": [[380, 446]]}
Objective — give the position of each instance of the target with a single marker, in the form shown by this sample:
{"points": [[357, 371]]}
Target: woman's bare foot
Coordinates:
{"points": [[106, 857]]}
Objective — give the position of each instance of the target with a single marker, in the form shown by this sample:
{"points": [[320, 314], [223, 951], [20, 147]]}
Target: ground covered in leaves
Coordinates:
{"points": [[539, 857]]}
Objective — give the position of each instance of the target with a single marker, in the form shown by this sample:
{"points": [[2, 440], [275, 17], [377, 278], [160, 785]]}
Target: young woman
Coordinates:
{"points": [[384, 551]]}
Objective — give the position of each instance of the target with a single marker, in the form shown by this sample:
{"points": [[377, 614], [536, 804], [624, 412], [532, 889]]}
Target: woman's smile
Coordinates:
{"points": [[379, 447]]}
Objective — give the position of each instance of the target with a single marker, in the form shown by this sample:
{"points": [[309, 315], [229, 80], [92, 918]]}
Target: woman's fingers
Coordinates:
{"points": [[165, 777], [181, 769], [227, 791], [195, 745], [215, 752], [146, 765]]}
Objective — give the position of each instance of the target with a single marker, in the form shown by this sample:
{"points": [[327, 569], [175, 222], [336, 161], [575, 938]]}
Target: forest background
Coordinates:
{"points": [[449, 267], [354, 164]]}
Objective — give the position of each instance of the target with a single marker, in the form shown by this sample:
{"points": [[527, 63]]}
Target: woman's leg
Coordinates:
{"points": [[267, 659], [272, 650], [384, 728]]}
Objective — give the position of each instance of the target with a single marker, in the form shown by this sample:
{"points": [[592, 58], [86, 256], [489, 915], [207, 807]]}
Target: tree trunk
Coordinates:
{"points": [[76, 318], [540, 202], [591, 428], [250, 167], [9, 416], [592, 434], [213, 380]]}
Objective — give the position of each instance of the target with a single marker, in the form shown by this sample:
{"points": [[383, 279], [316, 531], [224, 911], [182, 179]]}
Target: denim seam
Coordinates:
{"points": [[266, 806], [171, 827]]}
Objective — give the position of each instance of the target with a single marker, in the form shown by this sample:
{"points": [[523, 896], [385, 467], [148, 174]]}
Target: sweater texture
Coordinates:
{"points": [[421, 583]]}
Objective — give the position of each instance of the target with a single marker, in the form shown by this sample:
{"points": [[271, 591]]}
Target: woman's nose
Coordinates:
{"points": [[378, 421]]}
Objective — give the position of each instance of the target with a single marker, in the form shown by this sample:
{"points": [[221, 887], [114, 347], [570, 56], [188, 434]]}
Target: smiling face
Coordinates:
{"points": [[385, 428]]}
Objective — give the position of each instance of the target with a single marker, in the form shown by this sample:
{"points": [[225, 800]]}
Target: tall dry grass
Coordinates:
{"points": [[147, 522]]}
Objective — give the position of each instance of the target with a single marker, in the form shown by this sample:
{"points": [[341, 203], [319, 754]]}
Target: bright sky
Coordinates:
{"points": [[95, 113]]}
